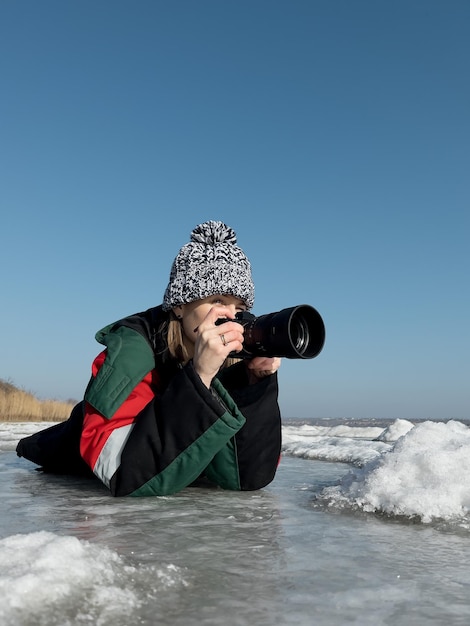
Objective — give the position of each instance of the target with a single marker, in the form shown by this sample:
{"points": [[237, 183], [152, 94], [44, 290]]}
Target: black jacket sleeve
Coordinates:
{"points": [[258, 442]]}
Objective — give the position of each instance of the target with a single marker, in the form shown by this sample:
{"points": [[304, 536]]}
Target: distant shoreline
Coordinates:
{"points": [[18, 405], [365, 421]]}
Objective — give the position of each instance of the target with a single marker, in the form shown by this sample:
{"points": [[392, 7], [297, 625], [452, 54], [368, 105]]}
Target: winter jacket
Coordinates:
{"points": [[149, 426]]}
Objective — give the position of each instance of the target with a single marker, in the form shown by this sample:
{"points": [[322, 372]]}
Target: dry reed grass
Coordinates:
{"points": [[17, 405]]}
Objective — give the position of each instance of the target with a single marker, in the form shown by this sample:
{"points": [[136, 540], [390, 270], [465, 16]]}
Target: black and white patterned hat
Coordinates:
{"points": [[211, 263]]}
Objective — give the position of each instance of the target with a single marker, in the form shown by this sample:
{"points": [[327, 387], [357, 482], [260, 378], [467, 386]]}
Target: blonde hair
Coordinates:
{"points": [[176, 346]]}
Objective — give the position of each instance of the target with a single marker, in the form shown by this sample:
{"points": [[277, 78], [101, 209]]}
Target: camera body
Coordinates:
{"points": [[295, 333]]}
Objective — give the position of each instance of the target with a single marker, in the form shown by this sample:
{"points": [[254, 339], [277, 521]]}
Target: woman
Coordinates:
{"points": [[167, 405]]}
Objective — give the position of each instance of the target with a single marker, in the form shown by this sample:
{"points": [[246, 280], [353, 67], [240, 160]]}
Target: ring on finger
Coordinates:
{"points": [[222, 339]]}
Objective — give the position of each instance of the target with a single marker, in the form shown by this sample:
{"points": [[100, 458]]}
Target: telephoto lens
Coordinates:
{"points": [[297, 332]]}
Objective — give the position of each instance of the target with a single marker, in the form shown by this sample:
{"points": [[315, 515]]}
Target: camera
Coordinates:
{"points": [[295, 333]]}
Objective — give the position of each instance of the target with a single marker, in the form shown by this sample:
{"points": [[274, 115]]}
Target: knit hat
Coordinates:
{"points": [[211, 263]]}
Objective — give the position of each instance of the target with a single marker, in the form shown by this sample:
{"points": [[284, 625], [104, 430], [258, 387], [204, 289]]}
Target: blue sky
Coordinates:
{"points": [[332, 135]]}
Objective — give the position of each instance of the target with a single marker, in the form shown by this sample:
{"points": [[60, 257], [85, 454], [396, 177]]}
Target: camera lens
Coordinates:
{"points": [[295, 333], [300, 334]]}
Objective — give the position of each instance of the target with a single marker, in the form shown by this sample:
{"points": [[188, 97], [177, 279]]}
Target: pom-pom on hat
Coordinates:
{"points": [[211, 263]]}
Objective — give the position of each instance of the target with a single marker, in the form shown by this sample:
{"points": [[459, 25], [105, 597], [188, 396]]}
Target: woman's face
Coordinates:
{"points": [[193, 313]]}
